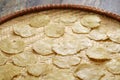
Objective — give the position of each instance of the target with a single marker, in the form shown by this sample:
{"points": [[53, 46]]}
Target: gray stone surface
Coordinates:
{"points": [[9, 6]]}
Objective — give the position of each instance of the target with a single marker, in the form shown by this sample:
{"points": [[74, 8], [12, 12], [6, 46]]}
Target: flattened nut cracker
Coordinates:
{"points": [[24, 59], [78, 28], [86, 72], [111, 46], [84, 43], [66, 61], [61, 62], [8, 71], [23, 30], [90, 21], [12, 46], [97, 35], [114, 35], [43, 47], [74, 60], [66, 47], [59, 75], [39, 21], [3, 59], [67, 19], [38, 69], [98, 53], [54, 30], [113, 66]]}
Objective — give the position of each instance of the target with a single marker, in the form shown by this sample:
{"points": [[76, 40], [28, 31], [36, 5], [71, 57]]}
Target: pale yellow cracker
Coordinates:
{"points": [[12, 46], [24, 59], [88, 72], [38, 69], [78, 28], [66, 61], [8, 71], [98, 53], [23, 30], [113, 66], [54, 30], [111, 46], [84, 42], [39, 21], [66, 47], [43, 47], [90, 21], [114, 35], [97, 35], [67, 19]]}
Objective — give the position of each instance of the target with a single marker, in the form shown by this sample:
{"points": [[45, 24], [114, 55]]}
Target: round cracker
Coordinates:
{"points": [[66, 61], [90, 21], [97, 35], [84, 42], [112, 47], [114, 35], [43, 47], [78, 28], [23, 30], [39, 21], [88, 72], [61, 62], [66, 47], [38, 69], [54, 30], [8, 71], [12, 46], [113, 66], [24, 59], [67, 19], [98, 53]]}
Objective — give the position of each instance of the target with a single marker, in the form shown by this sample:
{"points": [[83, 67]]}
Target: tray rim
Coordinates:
{"points": [[58, 6]]}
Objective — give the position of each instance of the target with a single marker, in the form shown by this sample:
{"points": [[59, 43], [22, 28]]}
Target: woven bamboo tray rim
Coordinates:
{"points": [[58, 6]]}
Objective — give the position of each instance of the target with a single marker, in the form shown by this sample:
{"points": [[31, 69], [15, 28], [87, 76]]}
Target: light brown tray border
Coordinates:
{"points": [[58, 6]]}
